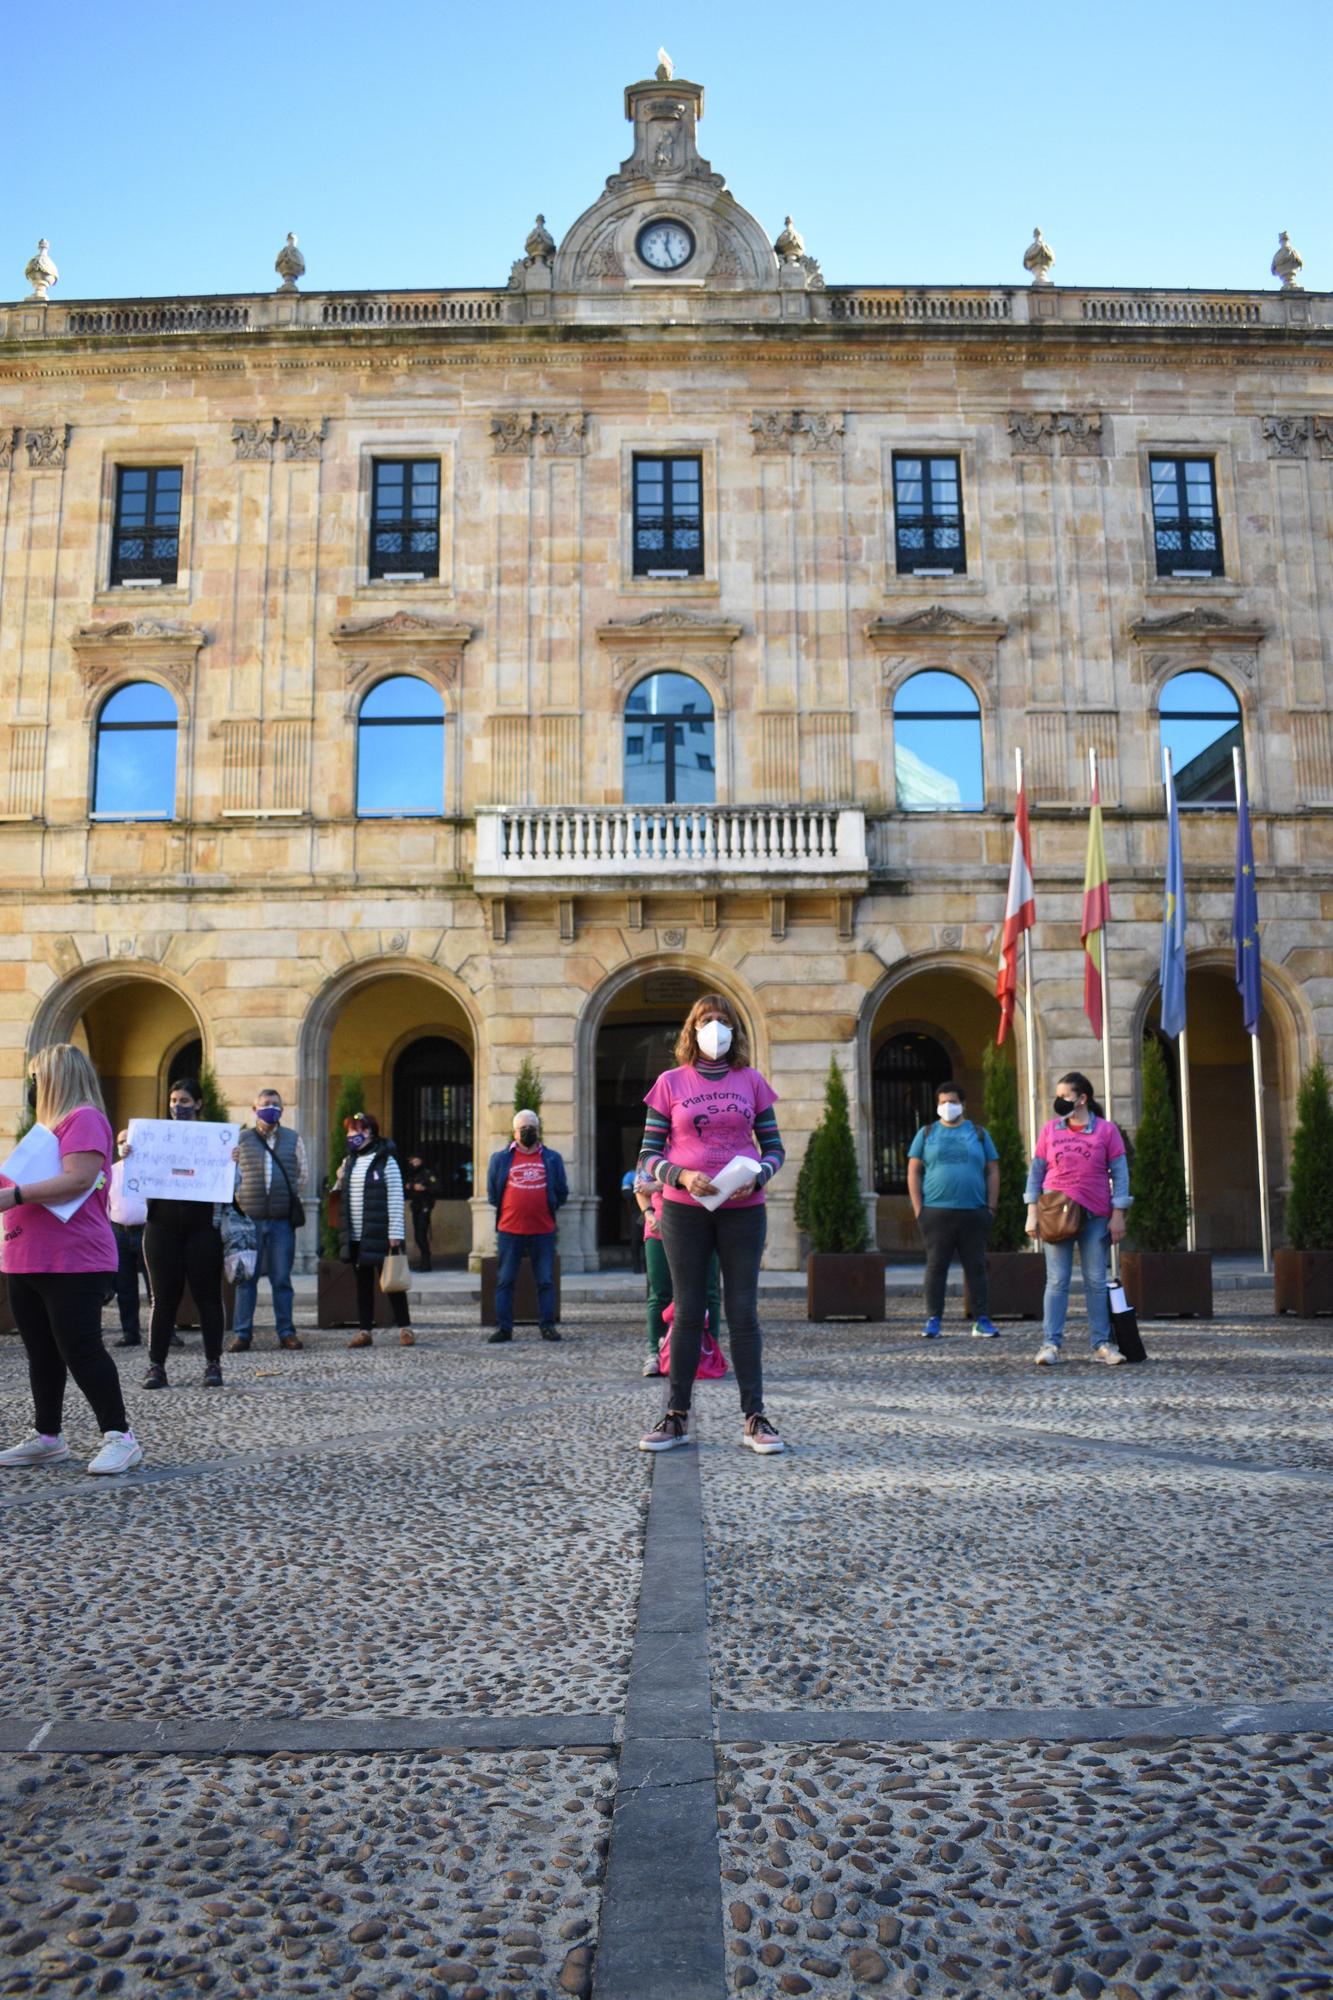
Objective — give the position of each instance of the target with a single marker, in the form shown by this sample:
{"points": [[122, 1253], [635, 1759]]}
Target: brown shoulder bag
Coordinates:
{"points": [[1059, 1218]]}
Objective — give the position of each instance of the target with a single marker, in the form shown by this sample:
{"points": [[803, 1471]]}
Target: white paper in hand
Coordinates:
{"points": [[37, 1158], [729, 1180]]}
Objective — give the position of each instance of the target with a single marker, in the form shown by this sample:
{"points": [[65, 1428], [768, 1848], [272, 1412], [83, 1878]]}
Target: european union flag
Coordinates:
{"points": [[1245, 916], [1173, 920]]}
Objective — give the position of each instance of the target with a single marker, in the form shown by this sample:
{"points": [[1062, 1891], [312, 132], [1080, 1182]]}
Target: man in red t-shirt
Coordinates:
{"points": [[526, 1184]]}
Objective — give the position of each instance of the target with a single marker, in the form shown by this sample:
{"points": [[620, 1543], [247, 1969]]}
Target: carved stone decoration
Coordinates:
{"points": [[41, 273], [1288, 437], [727, 263], [1079, 432], [400, 642], [951, 937], [666, 69], [673, 940], [939, 637], [1199, 636], [665, 112], [820, 431], [1323, 435], [513, 432], [289, 264], [1038, 259], [1288, 264], [564, 433], [1198, 624], [9, 444], [1030, 430], [933, 622], [684, 641], [774, 430], [790, 245], [539, 247], [302, 438], [47, 446], [161, 647], [255, 440]]}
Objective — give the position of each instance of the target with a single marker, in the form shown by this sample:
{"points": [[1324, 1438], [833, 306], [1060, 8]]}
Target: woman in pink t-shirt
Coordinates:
{"points": [[712, 1109], [1081, 1154], [56, 1271]]}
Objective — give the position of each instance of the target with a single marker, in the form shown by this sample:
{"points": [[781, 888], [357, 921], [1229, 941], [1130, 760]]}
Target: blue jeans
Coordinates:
{"points": [[277, 1248], [1091, 1241], [513, 1249]]}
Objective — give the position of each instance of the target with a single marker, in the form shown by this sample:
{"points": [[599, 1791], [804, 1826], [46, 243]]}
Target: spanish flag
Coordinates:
{"points": [[1096, 915]]}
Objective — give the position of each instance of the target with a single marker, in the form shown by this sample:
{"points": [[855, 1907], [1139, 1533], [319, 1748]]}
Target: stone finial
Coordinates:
{"points": [[1038, 259], [790, 246], [540, 245], [666, 69], [40, 272], [1286, 266], [289, 264]]}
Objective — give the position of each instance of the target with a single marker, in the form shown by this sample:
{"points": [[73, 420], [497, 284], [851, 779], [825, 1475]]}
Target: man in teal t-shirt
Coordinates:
{"points": [[953, 1177]]}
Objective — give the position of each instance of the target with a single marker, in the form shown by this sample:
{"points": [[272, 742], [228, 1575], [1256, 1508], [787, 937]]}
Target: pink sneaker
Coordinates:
{"points": [[673, 1430], [762, 1436]]}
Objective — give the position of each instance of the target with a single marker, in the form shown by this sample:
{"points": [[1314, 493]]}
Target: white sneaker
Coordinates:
{"points": [[762, 1436], [120, 1450], [1047, 1356], [1110, 1355], [36, 1450]]}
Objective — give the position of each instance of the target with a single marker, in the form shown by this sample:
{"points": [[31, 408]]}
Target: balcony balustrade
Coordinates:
{"points": [[523, 847]]}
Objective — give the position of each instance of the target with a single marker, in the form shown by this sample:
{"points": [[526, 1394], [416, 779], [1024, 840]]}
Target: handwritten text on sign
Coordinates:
{"points": [[180, 1161]]}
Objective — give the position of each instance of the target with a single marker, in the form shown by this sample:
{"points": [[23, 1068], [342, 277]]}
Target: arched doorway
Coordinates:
{"points": [[409, 1039], [930, 1025], [139, 1032], [1226, 1159], [635, 1042]]}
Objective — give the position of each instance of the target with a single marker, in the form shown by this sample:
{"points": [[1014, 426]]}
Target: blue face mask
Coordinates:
{"points": [[355, 1141], [183, 1111], [269, 1114]]}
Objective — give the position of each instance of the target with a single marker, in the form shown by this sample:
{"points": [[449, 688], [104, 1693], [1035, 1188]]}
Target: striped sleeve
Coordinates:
{"points": [[653, 1162], [393, 1182], [772, 1152]]}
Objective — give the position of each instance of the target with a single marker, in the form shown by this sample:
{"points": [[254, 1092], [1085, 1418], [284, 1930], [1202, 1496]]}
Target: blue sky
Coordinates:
{"points": [[168, 149]]}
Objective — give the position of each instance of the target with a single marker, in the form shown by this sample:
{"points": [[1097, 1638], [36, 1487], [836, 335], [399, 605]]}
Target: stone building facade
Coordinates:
{"points": [[869, 485]]}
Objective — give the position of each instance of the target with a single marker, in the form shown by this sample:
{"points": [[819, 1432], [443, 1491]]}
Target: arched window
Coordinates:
{"points": [[1200, 719], [135, 772], [400, 750], [937, 745], [905, 1074], [669, 743]]}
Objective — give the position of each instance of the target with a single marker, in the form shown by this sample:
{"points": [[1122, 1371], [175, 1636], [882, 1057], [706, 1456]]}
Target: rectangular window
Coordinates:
{"points": [[928, 516], [1186, 528], [145, 547], [405, 517], [668, 517]]}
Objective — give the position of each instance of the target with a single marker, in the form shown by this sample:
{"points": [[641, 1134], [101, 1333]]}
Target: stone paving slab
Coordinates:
{"points": [[473, 1877], [1022, 1869]]}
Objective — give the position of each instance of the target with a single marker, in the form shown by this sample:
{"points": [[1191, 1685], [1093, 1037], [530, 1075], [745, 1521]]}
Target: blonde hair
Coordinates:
{"points": [[65, 1080], [687, 1042]]}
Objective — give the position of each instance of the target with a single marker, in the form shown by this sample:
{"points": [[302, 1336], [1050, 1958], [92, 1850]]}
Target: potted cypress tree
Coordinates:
{"points": [[1161, 1279], [1016, 1278], [843, 1280], [528, 1095], [336, 1283], [801, 1203], [1304, 1271]]}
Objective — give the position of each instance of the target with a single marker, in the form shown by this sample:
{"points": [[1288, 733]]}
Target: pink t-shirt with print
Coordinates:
{"points": [[37, 1241], [711, 1121], [1078, 1162]]}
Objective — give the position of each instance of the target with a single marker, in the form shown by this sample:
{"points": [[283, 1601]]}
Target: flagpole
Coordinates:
{"points": [[1257, 1064], [1029, 1024], [1183, 1066], [1106, 978]]}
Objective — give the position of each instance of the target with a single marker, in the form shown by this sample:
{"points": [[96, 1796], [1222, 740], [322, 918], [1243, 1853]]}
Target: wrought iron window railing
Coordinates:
{"points": [[405, 517], [668, 517], [928, 516], [1187, 529], [145, 543]]}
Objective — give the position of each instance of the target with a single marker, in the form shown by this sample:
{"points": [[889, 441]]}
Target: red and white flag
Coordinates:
{"points": [[1020, 913]]}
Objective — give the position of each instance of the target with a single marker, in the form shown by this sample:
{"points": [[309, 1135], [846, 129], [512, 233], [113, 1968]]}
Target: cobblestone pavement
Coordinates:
{"points": [[349, 1688]]}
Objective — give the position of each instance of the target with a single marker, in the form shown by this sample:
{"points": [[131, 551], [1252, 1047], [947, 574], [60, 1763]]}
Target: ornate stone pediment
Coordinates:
{"points": [[1198, 625], [403, 642], [163, 648], [936, 636], [677, 640]]}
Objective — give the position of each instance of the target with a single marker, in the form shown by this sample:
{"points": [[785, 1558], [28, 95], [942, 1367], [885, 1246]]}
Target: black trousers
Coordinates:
{"points": [[690, 1236], [367, 1278], [129, 1246], [961, 1233], [59, 1318], [174, 1252], [421, 1235]]}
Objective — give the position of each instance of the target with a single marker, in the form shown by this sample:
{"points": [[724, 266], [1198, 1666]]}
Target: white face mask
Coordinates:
{"points": [[714, 1039], [951, 1113]]}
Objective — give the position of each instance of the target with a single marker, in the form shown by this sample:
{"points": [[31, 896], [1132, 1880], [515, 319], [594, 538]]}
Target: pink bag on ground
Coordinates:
{"points": [[712, 1361]]}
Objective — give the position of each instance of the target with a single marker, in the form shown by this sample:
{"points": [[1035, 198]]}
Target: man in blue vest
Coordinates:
{"points": [[270, 1180], [526, 1184], [953, 1178]]}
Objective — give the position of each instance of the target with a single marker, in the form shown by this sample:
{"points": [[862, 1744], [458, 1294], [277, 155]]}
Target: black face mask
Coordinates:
{"points": [[1063, 1106], [31, 1094], [183, 1111]]}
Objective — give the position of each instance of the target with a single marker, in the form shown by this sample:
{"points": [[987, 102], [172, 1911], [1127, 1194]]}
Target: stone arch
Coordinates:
{"points": [[130, 1051]]}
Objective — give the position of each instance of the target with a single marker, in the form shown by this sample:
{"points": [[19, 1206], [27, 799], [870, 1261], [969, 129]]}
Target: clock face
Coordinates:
{"points": [[665, 246]]}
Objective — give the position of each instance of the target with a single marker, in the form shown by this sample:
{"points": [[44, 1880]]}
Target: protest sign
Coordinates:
{"points": [[180, 1160]]}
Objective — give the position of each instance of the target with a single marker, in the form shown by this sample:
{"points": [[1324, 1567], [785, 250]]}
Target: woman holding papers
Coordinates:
{"points": [[180, 1243], [58, 1253], [711, 1143]]}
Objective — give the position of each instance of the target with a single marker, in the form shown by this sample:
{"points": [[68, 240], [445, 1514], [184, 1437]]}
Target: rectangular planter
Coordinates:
{"points": [[525, 1293], [1016, 1280], [844, 1285], [1303, 1282], [335, 1296], [1168, 1284]]}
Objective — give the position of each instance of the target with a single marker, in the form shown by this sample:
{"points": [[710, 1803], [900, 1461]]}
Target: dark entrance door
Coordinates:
{"points": [[631, 1056], [432, 1111]]}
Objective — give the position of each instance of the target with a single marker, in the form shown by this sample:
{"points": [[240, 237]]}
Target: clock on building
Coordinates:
{"points": [[665, 246]]}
